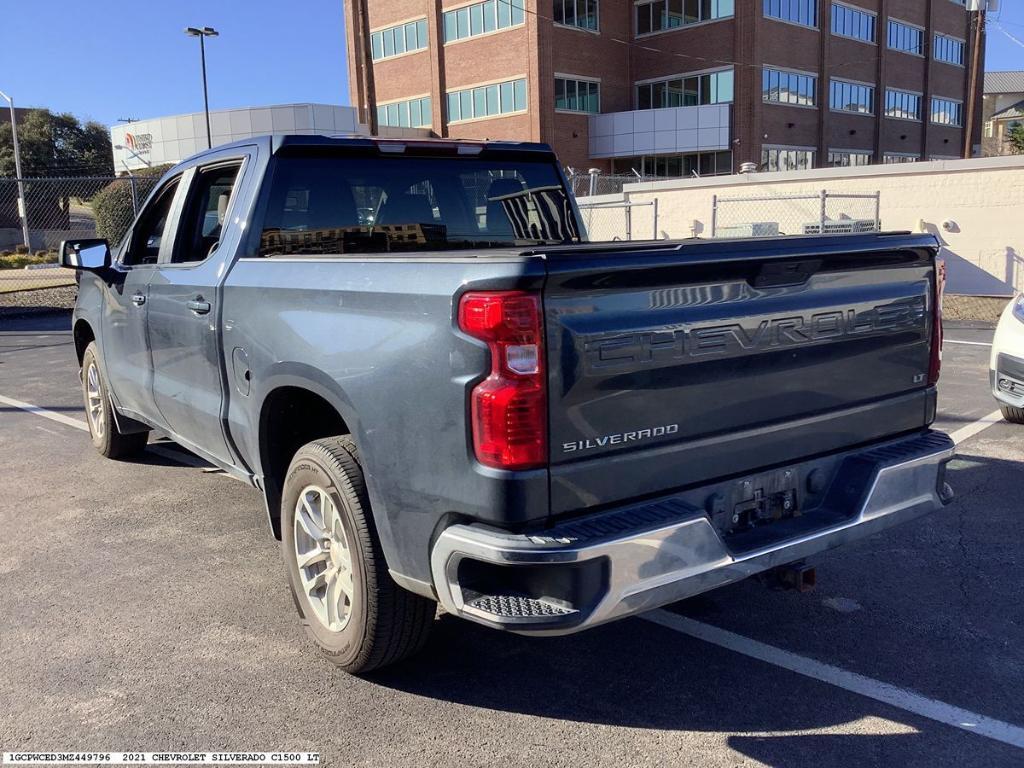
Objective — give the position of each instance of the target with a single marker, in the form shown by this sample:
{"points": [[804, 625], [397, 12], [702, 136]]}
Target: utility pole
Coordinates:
{"points": [[22, 208], [972, 90], [202, 34]]}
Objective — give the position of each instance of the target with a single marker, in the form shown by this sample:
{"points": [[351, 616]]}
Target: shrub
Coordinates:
{"points": [[112, 205], [20, 260]]}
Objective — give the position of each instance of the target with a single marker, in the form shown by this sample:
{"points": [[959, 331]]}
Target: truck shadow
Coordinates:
{"points": [[634, 674]]}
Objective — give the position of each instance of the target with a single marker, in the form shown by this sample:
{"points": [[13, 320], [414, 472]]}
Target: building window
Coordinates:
{"points": [[675, 166], [851, 97], [949, 50], [892, 158], [414, 113], [783, 87], [487, 100], [394, 41], [482, 18], [664, 15], [903, 37], [577, 95], [947, 112], [686, 91], [853, 23], [787, 158], [576, 13], [847, 158], [902, 105], [804, 12]]}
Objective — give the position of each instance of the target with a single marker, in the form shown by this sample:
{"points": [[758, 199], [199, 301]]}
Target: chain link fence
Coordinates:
{"points": [[605, 222], [590, 184], [778, 215], [57, 209]]}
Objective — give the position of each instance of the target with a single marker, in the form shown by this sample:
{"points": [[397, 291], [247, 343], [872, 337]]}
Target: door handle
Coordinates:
{"points": [[138, 299], [198, 306]]}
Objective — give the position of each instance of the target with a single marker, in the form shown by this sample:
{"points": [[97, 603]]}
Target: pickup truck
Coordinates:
{"points": [[446, 395]]}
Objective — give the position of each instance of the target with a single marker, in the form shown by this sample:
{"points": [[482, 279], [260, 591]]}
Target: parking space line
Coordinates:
{"points": [[996, 417], [971, 343], [892, 695], [60, 418], [186, 459]]}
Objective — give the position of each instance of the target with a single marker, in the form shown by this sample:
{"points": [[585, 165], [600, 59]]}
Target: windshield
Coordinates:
{"points": [[335, 204]]}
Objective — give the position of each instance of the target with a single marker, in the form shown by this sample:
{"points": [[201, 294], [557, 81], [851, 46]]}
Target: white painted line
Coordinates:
{"points": [[892, 695], [60, 418], [971, 343], [996, 417], [186, 459]]}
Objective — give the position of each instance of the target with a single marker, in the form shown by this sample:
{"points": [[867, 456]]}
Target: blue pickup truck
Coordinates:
{"points": [[446, 395]]}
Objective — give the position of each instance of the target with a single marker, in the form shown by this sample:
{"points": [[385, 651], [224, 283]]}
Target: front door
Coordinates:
{"points": [[123, 344], [184, 332]]}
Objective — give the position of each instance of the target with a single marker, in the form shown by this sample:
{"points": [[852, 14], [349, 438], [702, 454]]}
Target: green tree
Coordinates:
{"points": [[56, 145], [113, 206], [1015, 137]]}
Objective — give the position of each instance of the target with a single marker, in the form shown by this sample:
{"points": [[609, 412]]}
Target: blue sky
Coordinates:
{"points": [[104, 60]]}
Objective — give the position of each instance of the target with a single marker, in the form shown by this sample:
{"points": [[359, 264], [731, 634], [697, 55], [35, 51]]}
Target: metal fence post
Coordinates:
{"points": [[135, 195], [629, 222], [878, 211], [714, 214], [593, 180], [655, 204], [824, 212]]}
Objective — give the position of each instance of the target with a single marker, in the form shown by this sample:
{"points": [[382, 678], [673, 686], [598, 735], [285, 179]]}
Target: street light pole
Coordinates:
{"points": [[202, 34], [22, 208]]}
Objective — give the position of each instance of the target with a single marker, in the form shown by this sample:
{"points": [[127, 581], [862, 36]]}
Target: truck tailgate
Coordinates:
{"points": [[671, 365]]}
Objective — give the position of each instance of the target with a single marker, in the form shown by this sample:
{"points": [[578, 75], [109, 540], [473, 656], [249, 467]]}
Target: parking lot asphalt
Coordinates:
{"points": [[143, 607]]}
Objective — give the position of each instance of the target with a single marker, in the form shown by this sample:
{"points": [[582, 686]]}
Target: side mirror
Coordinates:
{"points": [[89, 253]]}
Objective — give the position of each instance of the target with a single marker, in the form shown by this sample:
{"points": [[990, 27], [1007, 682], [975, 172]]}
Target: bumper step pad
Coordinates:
{"points": [[518, 606]]}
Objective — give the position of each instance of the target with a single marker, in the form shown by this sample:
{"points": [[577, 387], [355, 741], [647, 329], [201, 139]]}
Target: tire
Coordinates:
{"points": [[355, 613], [1012, 414], [99, 412]]}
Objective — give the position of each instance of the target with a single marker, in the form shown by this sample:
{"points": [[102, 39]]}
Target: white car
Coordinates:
{"points": [[1008, 361]]}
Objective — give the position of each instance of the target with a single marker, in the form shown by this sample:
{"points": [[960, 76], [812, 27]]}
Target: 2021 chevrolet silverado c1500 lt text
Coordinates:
{"points": [[446, 395]]}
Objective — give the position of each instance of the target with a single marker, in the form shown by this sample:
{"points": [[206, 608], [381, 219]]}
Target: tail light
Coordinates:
{"points": [[935, 365], [508, 409]]}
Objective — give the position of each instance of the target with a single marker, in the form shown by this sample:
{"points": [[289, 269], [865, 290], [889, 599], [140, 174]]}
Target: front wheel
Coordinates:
{"points": [[100, 413], [1012, 414], [359, 618]]}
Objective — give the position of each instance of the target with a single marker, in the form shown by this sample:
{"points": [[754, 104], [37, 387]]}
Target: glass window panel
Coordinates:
{"points": [[451, 27], [491, 92], [389, 42], [377, 45], [479, 102], [463, 20], [399, 36], [508, 98], [505, 13], [520, 92], [518, 12], [454, 113], [466, 104], [476, 19], [490, 16], [421, 33]]}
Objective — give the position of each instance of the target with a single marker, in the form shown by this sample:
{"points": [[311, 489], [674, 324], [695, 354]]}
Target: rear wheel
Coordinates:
{"points": [[359, 618], [1010, 413], [100, 413]]}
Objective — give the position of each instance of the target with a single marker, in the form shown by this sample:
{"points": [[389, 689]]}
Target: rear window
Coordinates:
{"points": [[337, 204]]}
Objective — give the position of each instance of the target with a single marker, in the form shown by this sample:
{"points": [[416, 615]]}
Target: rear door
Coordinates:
{"points": [[671, 366], [184, 331]]}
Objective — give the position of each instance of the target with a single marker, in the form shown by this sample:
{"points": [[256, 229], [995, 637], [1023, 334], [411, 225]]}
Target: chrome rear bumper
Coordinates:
{"points": [[614, 564]]}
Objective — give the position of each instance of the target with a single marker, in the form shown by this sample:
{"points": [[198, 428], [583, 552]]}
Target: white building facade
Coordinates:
{"points": [[162, 140]]}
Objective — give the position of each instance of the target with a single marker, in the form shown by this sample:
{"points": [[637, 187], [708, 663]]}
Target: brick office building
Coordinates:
{"points": [[673, 87]]}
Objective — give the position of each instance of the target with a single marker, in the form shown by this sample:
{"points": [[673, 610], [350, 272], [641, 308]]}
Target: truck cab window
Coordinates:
{"points": [[324, 204], [205, 213], [148, 233]]}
